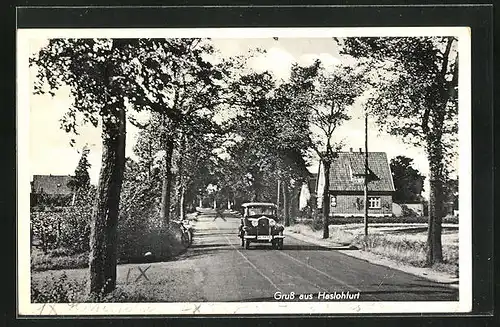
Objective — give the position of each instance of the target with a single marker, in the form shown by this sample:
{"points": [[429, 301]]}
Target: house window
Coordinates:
{"points": [[358, 180], [333, 201], [374, 203]]}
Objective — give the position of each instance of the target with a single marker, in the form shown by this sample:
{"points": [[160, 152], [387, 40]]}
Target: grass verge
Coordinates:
{"points": [[61, 289]]}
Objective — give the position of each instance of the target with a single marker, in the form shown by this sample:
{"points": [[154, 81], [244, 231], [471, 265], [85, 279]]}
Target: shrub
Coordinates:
{"points": [[57, 290], [62, 227], [140, 228], [58, 259], [162, 243], [50, 200], [75, 229], [69, 227], [407, 212]]}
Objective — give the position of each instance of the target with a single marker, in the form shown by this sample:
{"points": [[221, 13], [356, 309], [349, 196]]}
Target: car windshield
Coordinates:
{"points": [[255, 211]]}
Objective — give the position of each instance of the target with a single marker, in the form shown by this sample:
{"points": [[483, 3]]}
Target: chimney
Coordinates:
{"points": [[360, 150], [350, 149]]}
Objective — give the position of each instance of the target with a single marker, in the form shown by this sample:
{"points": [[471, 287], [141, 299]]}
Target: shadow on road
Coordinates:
{"points": [[213, 231], [232, 233], [305, 247], [200, 246], [204, 251]]}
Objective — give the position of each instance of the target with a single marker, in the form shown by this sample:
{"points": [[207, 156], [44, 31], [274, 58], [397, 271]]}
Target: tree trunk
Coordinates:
{"points": [[58, 241], [182, 204], [103, 234], [434, 245], [167, 182], [286, 203], [257, 186], [180, 179], [295, 203], [326, 198]]}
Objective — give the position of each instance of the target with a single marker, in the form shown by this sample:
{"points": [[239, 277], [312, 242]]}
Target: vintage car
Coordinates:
{"points": [[260, 224]]}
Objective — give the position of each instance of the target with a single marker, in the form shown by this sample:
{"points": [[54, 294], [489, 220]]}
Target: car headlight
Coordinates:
{"points": [[255, 223], [272, 222]]}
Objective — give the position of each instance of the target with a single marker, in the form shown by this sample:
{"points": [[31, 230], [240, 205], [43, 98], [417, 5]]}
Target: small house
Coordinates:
{"points": [[347, 177], [52, 189], [51, 184]]}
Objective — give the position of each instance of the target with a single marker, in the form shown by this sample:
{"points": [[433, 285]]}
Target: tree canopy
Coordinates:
{"points": [[408, 181]]}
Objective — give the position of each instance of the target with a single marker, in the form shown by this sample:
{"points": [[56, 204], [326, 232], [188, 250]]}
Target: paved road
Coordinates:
{"points": [[217, 269]]}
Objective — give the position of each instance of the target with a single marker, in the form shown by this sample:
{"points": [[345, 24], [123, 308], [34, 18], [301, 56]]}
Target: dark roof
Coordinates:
{"points": [[380, 178], [51, 184]]}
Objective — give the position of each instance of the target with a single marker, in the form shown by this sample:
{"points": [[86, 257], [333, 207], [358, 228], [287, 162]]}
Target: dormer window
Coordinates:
{"points": [[356, 178]]}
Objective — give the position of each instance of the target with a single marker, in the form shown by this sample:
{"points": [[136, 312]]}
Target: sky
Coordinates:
{"points": [[50, 152]]}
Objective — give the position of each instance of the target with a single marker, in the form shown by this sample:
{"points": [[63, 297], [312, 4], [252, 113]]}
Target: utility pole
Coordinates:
{"points": [[366, 173]]}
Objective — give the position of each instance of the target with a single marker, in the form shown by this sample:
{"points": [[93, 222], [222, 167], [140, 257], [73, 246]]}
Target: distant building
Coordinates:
{"points": [[405, 209], [51, 184], [347, 173], [307, 195], [451, 197]]}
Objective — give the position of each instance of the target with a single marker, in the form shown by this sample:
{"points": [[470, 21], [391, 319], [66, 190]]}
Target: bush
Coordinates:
{"points": [[140, 227], [317, 223], [407, 212], [62, 227], [58, 259], [162, 243], [57, 290], [54, 226], [75, 230], [50, 200]]}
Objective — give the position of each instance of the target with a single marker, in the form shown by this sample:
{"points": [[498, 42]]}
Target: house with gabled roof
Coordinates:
{"points": [[347, 173], [52, 188], [51, 184]]}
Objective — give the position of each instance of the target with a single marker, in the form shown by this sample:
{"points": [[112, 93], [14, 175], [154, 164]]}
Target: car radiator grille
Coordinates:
{"points": [[263, 227]]}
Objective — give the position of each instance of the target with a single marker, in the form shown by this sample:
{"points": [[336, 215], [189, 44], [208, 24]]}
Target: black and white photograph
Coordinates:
{"points": [[244, 171]]}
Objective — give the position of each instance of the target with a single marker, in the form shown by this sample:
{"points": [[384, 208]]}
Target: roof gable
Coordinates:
{"points": [[349, 165]]}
